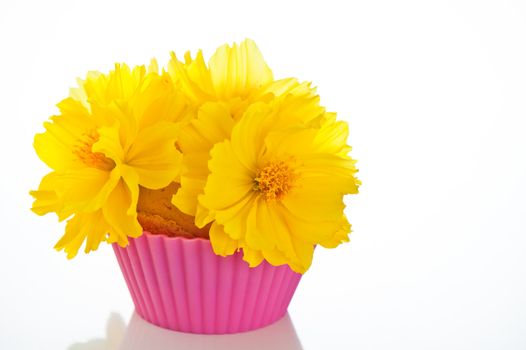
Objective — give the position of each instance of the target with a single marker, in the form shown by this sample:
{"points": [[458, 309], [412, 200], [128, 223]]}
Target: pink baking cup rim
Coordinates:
{"points": [[180, 284]]}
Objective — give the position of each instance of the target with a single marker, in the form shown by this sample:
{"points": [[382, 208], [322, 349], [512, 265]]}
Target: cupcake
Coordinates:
{"points": [[156, 214], [214, 183]]}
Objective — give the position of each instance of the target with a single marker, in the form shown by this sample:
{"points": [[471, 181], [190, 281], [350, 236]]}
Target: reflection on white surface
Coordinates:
{"points": [[114, 333], [141, 335]]}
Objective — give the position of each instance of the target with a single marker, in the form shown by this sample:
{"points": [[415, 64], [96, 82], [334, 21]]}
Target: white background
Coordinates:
{"points": [[434, 92]]}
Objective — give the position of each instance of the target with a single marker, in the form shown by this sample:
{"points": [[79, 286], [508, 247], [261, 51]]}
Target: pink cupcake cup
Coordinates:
{"points": [[180, 284]]}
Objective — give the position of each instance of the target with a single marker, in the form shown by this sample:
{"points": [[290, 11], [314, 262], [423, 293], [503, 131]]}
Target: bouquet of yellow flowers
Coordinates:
{"points": [[214, 183]]}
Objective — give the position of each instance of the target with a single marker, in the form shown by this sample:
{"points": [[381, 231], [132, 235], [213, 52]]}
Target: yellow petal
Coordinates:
{"points": [[198, 72], [192, 77], [304, 252], [203, 216], [238, 70], [131, 181], [296, 141], [117, 213], [153, 67], [260, 231], [248, 136], [317, 134], [74, 236], [222, 244], [332, 136], [159, 100], [120, 84], [281, 232], [193, 179], [191, 187], [74, 118], [276, 258], [310, 230], [229, 181], [154, 155], [90, 226], [296, 252], [109, 143], [85, 189], [234, 218], [341, 235], [212, 125], [56, 146], [297, 110], [252, 257], [315, 204], [329, 170], [285, 87], [47, 200]]}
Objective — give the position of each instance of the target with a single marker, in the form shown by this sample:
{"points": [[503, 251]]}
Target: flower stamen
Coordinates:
{"points": [[83, 150], [274, 180]]}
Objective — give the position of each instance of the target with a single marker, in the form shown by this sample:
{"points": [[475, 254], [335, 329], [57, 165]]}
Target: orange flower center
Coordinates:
{"points": [[83, 150], [274, 180]]}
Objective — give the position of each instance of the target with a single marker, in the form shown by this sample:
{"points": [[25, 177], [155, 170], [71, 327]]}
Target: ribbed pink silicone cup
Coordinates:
{"points": [[180, 284]]}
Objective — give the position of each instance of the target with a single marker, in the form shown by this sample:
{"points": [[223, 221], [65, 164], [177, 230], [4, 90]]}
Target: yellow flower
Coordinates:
{"points": [[116, 132], [213, 125], [235, 78], [276, 187], [256, 160]]}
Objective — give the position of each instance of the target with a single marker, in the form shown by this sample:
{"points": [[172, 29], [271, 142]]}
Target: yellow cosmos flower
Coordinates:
{"points": [[213, 125], [235, 78], [116, 132], [276, 187]]}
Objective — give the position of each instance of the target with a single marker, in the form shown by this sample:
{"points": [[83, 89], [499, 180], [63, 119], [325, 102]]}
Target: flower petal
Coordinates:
{"points": [[340, 236], [212, 125], [222, 244], [237, 70], [85, 189], [248, 136], [252, 257], [86, 225], [56, 145], [154, 155], [260, 230], [120, 215], [229, 181], [234, 218], [47, 200], [315, 204], [193, 182], [193, 77], [109, 143]]}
